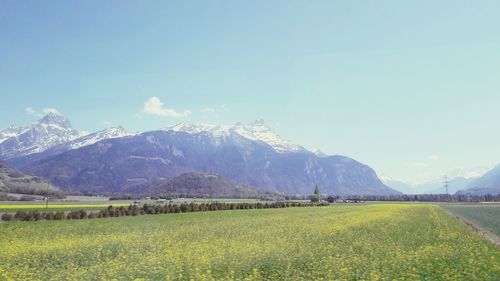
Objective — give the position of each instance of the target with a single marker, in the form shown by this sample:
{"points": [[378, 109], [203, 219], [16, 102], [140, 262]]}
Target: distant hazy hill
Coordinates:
{"points": [[489, 183], [202, 185], [458, 179], [435, 186], [12, 180]]}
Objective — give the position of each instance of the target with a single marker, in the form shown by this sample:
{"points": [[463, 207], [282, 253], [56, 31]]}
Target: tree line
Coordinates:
{"points": [[457, 197], [147, 209], [430, 198]]}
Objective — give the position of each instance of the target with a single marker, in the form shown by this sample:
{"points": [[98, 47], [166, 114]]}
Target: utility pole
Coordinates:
{"points": [[210, 185], [446, 184], [47, 198], [446, 187]]}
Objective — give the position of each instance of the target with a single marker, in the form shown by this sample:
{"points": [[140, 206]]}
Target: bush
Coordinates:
{"points": [[92, 216], [82, 214], [7, 217], [315, 198], [134, 210], [27, 198], [59, 216], [21, 216], [36, 215], [48, 216]]}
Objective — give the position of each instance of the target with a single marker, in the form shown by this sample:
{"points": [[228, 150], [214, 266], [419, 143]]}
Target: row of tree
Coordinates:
{"points": [[316, 197], [432, 198], [146, 209], [171, 196]]}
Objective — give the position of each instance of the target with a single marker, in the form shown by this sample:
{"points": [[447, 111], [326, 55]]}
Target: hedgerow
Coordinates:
{"points": [[149, 209]]}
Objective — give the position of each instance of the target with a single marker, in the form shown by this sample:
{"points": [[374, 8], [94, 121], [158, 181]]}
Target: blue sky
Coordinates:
{"points": [[409, 88]]}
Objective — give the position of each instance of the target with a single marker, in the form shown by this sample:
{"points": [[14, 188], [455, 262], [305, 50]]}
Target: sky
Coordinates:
{"points": [[410, 88]]}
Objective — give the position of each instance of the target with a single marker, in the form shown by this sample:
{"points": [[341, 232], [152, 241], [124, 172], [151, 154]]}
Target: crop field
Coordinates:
{"points": [[485, 215], [342, 242], [4, 208]]}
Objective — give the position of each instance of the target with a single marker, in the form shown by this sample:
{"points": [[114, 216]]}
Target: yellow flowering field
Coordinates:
{"points": [[342, 242]]}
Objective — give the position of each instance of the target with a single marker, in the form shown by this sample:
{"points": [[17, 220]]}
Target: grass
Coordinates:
{"points": [[7, 208], [485, 215], [343, 242]]}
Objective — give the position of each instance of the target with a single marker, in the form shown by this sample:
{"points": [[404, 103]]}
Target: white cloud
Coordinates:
{"points": [[208, 110], [417, 164], [48, 110], [30, 111], [154, 106], [433, 157]]}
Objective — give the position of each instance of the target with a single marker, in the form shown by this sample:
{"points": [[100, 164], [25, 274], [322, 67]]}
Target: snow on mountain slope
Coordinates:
{"points": [[85, 140], [471, 173], [259, 131], [216, 130], [50, 135], [255, 131], [50, 130], [318, 152], [89, 139], [11, 131]]}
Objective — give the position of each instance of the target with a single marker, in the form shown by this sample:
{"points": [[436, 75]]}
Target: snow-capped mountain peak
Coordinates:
{"points": [[109, 133], [255, 131], [257, 123], [258, 130], [51, 130], [318, 152], [10, 131], [199, 128], [55, 119]]}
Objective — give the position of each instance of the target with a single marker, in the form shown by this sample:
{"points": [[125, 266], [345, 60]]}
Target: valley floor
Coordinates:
{"points": [[341, 242]]}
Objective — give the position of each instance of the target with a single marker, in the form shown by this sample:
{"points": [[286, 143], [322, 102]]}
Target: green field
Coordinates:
{"points": [[342, 242], [485, 215]]}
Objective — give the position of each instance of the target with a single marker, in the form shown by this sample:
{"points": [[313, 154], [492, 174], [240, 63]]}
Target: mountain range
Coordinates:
{"points": [[114, 160], [478, 181], [49, 131], [60, 147], [489, 183]]}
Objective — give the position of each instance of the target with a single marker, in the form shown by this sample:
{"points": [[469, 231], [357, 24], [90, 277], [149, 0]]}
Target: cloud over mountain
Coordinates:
{"points": [[155, 106]]}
